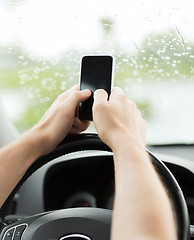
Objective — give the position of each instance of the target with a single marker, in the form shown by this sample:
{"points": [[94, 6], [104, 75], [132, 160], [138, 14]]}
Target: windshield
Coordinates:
{"points": [[42, 43]]}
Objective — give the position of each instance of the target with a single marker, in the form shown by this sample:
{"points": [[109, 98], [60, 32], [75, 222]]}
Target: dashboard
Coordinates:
{"points": [[86, 182], [86, 179]]}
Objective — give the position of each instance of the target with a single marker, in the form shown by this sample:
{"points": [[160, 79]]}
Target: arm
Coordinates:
{"points": [[141, 209], [58, 121]]}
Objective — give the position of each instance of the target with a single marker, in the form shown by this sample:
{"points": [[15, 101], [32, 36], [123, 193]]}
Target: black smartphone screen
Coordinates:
{"points": [[96, 73]]}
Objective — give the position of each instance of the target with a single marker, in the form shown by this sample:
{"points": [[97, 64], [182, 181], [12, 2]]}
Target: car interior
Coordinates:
{"points": [[69, 193]]}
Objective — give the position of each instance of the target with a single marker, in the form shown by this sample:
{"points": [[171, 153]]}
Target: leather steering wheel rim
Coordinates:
{"points": [[84, 142]]}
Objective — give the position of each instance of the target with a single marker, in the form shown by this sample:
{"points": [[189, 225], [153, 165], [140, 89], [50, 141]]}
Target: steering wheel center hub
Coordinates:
{"points": [[75, 237]]}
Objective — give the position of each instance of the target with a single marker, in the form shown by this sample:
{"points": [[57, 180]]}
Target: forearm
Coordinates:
{"points": [[58, 121], [141, 209], [15, 159]]}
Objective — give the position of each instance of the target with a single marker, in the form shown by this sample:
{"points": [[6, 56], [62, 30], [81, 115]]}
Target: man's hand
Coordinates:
{"points": [[60, 119], [140, 199], [57, 122], [117, 118]]}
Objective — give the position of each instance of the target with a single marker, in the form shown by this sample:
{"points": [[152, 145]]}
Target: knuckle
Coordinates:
{"points": [[139, 112], [144, 124], [60, 96], [121, 95], [132, 104], [75, 94]]}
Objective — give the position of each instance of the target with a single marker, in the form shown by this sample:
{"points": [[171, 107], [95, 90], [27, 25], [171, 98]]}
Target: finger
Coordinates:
{"points": [[74, 130], [61, 98], [100, 97], [117, 90], [74, 88], [115, 93], [78, 96], [65, 94], [80, 125], [133, 105]]}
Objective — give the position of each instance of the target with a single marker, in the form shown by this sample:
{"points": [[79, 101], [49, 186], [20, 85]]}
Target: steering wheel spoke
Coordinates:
{"points": [[80, 223]]}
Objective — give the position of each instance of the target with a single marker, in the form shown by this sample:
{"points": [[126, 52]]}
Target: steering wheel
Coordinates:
{"points": [[84, 223]]}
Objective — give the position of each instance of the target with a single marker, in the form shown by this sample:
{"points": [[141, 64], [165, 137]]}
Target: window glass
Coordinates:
{"points": [[43, 41]]}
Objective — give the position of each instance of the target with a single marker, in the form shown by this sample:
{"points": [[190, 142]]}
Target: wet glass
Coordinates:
{"points": [[42, 44]]}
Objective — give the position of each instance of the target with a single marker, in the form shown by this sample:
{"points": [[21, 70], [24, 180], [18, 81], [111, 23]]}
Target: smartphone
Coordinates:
{"points": [[96, 73]]}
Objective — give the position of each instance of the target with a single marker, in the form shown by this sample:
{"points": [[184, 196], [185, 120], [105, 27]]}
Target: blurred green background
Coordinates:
{"points": [[161, 57]]}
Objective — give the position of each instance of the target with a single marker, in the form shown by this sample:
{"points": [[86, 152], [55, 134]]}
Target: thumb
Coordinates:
{"points": [[100, 97], [79, 96]]}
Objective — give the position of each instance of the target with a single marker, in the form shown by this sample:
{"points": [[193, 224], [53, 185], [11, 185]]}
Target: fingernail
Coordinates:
{"points": [[87, 91]]}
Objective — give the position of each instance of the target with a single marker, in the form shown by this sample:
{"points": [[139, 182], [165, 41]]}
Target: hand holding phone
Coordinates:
{"points": [[96, 73]]}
